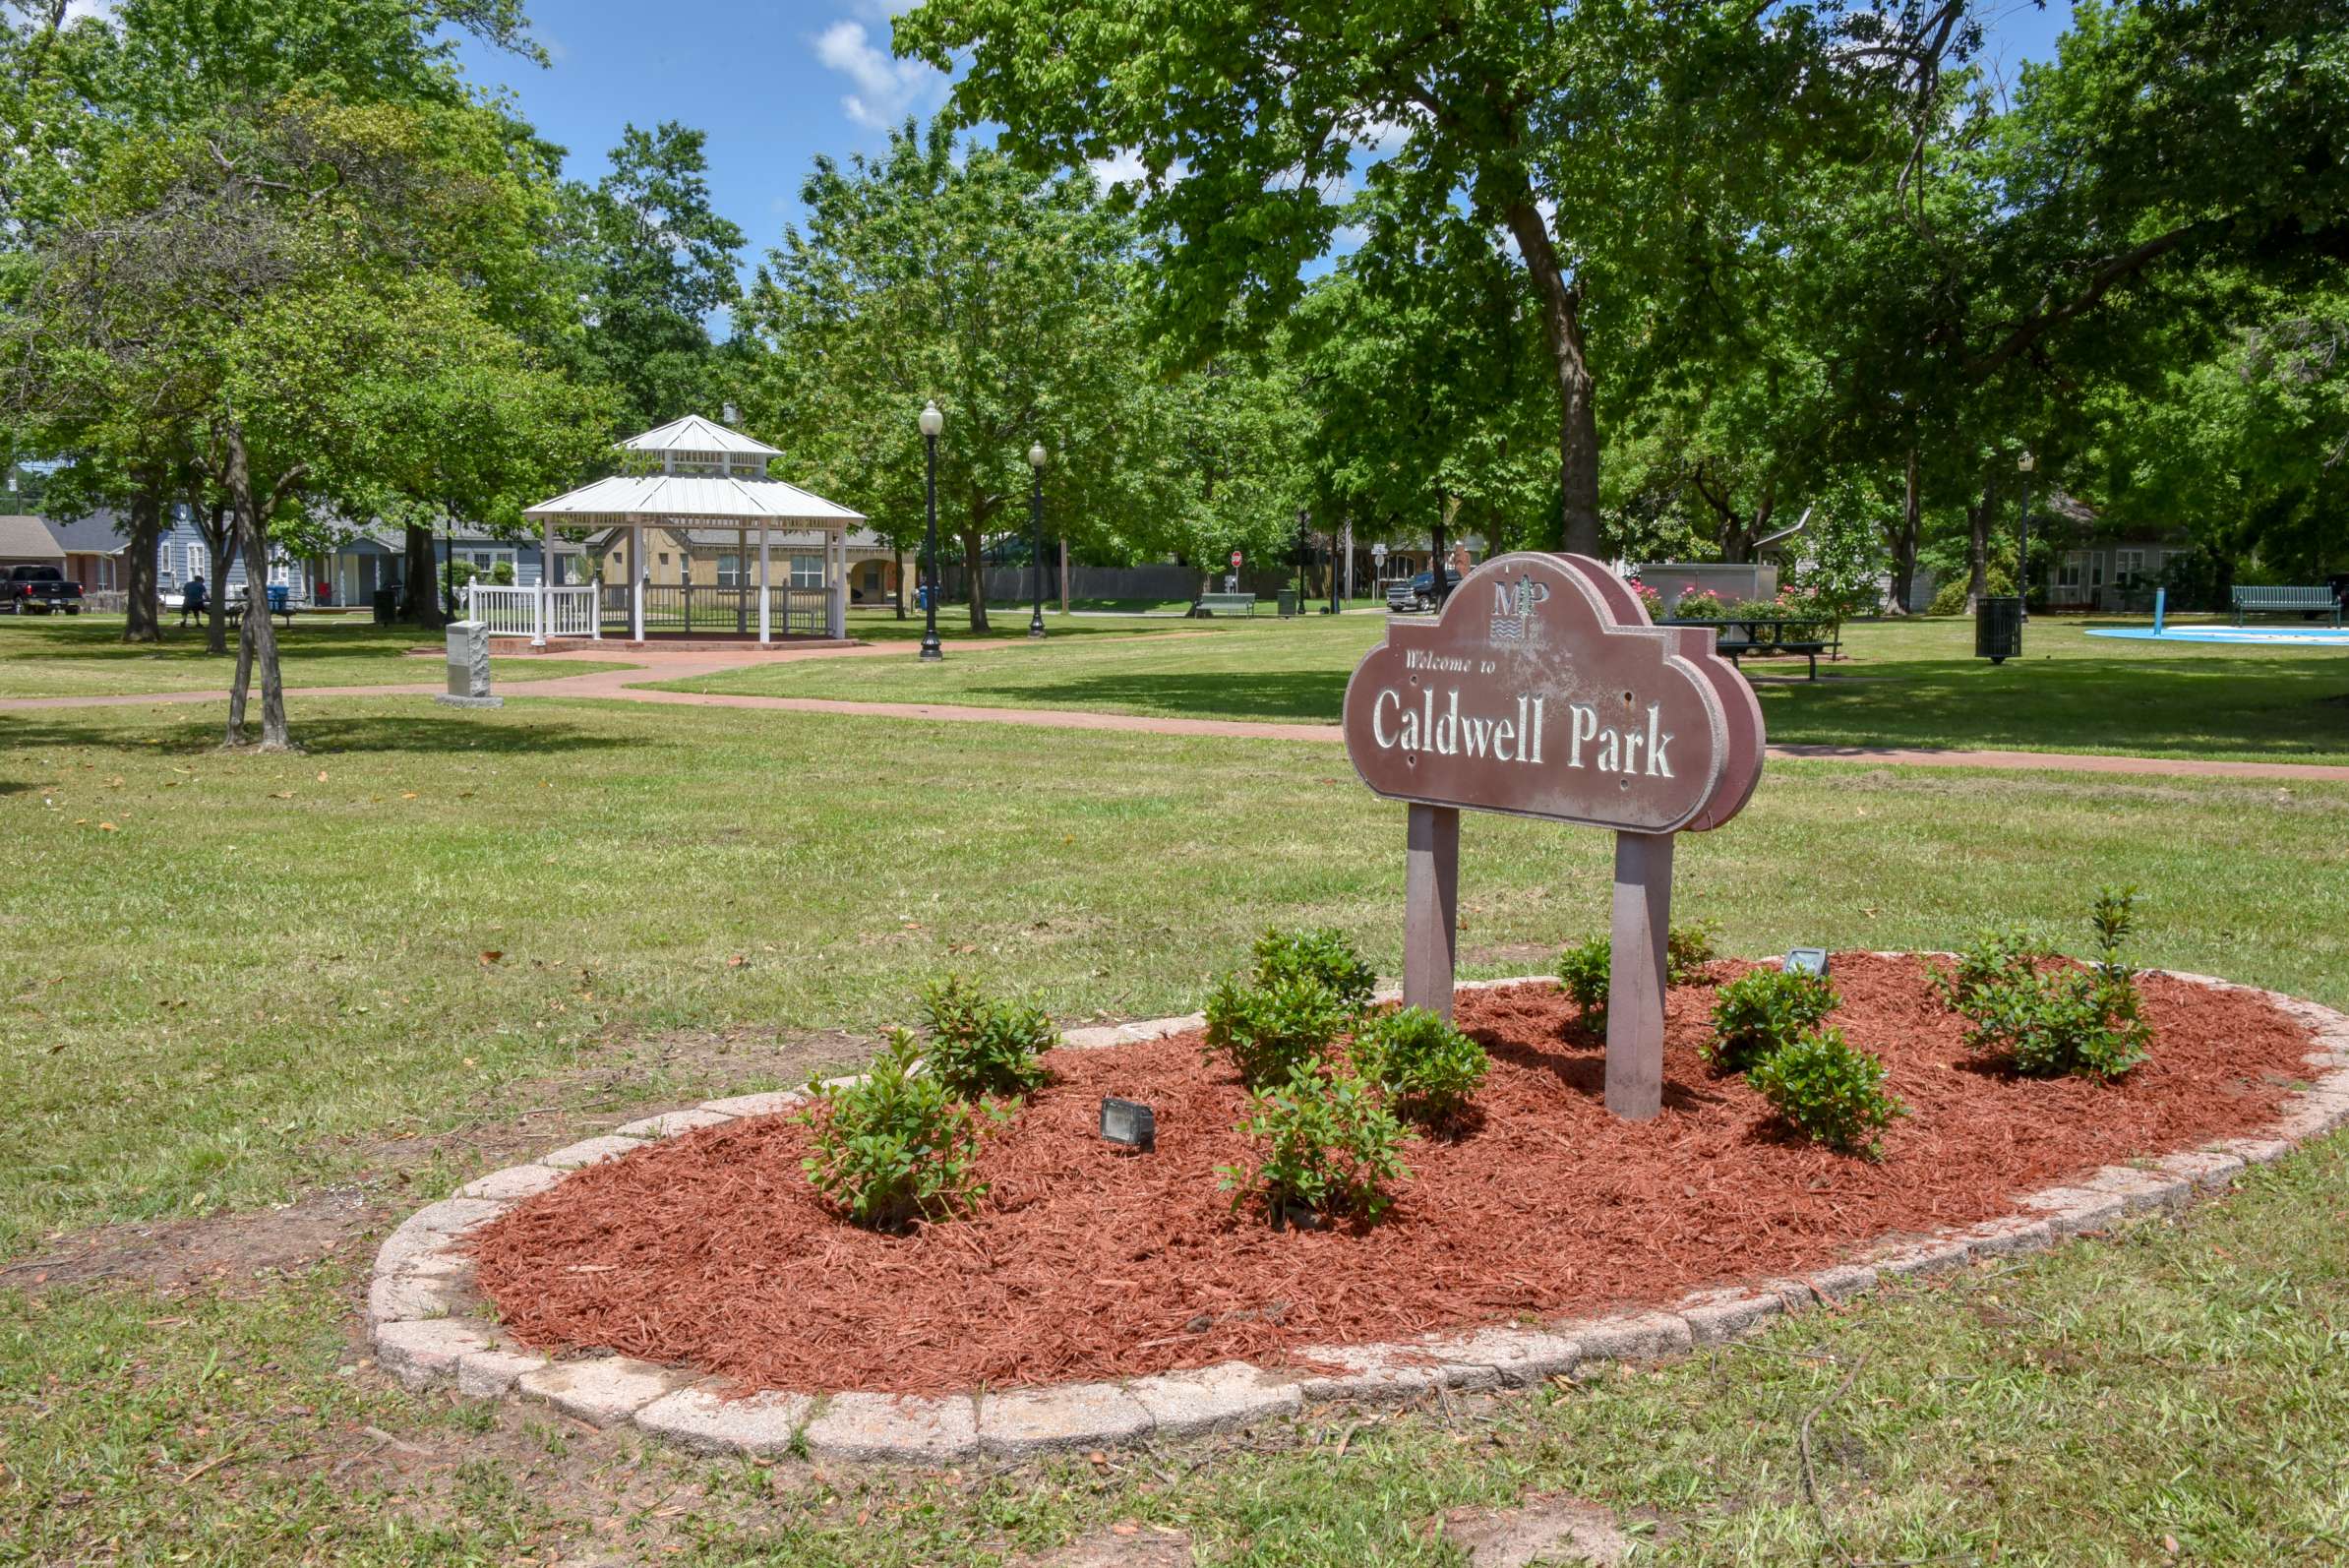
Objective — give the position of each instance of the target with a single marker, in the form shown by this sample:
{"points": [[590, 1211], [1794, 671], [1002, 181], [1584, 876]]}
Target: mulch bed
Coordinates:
{"points": [[711, 1250]]}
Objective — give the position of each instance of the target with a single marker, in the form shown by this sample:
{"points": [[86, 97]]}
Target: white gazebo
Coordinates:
{"points": [[710, 477]]}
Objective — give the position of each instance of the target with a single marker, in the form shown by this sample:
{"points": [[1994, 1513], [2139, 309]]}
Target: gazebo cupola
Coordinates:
{"points": [[711, 480]]}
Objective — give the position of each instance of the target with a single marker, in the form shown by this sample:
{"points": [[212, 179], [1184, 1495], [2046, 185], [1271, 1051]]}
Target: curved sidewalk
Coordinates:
{"points": [[624, 684]]}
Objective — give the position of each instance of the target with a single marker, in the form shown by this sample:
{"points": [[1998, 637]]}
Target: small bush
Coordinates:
{"points": [[1426, 1066], [1698, 604], [895, 1147], [1582, 975], [2050, 1022], [1827, 1091], [1266, 1031], [1687, 949], [1325, 957], [1650, 600], [985, 1044], [1764, 1010], [1327, 1142]]}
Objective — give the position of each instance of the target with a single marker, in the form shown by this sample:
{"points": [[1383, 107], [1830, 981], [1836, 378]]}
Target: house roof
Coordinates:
{"points": [[694, 433], [98, 535], [692, 498], [28, 538]]}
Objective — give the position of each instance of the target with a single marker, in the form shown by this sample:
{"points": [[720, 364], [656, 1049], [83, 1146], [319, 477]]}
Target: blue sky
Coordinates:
{"points": [[776, 84]]}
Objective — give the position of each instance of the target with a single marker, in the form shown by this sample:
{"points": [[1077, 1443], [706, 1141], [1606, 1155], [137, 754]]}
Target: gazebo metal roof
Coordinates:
{"points": [[694, 433], [690, 498]]}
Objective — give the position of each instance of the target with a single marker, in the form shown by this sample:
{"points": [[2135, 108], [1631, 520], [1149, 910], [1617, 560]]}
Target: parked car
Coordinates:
{"points": [[1420, 593], [38, 590]]}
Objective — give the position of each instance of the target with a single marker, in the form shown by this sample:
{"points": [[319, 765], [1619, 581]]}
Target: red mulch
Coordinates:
{"points": [[711, 1250]]}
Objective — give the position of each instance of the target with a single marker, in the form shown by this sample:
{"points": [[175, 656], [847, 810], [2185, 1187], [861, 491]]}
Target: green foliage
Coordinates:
{"points": [[897, 1146], [1428, 1067], [1763, 1011], [1327, 957], [980, 1044], [1828, 1091], [1327, 1142], [1268, 1031], [1699, 604], [1950, 597], [1583, 971], [2054, 1021], [1689, 948]]}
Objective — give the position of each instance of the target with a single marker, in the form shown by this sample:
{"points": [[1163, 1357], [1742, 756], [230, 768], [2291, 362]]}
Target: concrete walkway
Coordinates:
{"points": [[652, 665]]}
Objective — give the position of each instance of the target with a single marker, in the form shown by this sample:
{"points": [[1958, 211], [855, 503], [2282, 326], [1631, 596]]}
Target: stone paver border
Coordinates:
{"points": [[421, 1308]]}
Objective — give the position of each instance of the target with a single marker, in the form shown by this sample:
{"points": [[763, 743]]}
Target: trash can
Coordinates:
{"points": [[1287, 601], [1997, 628], [386, 606]]}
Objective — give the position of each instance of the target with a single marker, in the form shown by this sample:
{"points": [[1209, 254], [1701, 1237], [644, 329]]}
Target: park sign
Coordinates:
{"points": [[1542, 690]]}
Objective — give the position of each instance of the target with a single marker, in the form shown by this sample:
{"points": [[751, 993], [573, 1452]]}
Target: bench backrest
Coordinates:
{"points": [[2319, 599], [1226, 601]]}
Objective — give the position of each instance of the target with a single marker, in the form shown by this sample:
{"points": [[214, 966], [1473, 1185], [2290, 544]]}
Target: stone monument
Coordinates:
{"points": [[1543, 689], [469, 667]]}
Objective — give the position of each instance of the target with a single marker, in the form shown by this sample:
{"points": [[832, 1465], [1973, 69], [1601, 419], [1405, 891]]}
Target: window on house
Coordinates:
{"points": [[195, 561], [2128, 564], [730, 571], [807, 572], [2074, 566]]}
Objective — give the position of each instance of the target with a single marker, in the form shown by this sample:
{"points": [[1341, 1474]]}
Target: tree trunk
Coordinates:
{"points": [[975, 588], [899, 580], [1578, 420], [1064, 574], [258, 644], [219, 538], [422, 602], [1977, 546], [1904, 541], [143, 612]]}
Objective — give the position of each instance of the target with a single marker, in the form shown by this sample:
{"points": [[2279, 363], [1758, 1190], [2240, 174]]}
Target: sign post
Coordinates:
{"points": [[1542, 690]]}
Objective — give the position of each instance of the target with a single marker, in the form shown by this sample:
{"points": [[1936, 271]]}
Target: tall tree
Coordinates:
{"points": [[945, 273], [1602, 149]]}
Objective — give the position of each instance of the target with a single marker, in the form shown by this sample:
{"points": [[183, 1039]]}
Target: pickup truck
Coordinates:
{"points": [[38, 590]]}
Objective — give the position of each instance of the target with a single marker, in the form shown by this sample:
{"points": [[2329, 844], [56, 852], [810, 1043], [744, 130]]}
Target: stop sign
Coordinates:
{"points": [[1236, 559]]}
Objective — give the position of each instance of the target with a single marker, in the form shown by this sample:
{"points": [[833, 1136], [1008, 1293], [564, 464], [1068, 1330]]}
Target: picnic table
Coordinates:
{"points": [[1738, 634]]}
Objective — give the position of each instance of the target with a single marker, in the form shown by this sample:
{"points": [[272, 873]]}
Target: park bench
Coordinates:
{"points": [[2287, 601], [281, 605], [1214, 604]]}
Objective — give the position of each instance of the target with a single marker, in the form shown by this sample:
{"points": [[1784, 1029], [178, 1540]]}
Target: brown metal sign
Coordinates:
{"points": [[1542, 690]]}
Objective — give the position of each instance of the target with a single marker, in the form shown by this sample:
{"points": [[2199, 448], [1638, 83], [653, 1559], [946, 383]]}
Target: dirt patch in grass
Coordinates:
{"points": [[225, 1251], [712, 1250], [1541, 1529]]}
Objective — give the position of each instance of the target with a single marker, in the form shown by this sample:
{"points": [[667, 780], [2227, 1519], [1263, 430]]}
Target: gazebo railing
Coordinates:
{"points": [[512, 612], [674, 609]]}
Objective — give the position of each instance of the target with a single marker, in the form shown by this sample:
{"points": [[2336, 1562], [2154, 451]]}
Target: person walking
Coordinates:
{"points": [[190, 600]]}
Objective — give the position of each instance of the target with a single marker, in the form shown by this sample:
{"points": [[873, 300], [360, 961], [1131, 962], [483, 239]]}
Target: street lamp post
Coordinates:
{"points": [[2022, 562], [1035, 522], [932, 423]]}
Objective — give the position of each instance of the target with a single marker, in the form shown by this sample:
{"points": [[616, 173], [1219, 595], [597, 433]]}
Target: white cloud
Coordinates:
{"points": [[888, 88], [1120, 168]]}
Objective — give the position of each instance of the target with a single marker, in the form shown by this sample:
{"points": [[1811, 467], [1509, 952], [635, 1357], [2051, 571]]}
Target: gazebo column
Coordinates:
{"points": [[636, 581], [766, 602], [546, 572], [835, 551]]}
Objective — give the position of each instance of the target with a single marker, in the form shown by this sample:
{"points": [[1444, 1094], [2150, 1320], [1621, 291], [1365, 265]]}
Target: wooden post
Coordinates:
{"points": [[1635, 1000], [1431, 906]]}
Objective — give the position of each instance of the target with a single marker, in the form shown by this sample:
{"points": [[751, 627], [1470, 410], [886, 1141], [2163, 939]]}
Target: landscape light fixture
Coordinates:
{"points": [[932, 423], [1128, 1123], [1806, 962], [1036, 457]]}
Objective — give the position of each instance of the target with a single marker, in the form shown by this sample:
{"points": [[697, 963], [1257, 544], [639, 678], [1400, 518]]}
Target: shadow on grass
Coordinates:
{"points": [[1312, 697], [318, 735]]}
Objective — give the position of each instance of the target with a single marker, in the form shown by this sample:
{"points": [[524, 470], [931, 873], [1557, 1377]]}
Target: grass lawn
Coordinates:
{"points": [[1905, 684], [86, 656], [437, 942]]}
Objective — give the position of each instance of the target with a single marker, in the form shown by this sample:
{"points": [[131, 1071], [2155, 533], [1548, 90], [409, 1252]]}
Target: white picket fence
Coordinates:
{"points": [[512, 612]]}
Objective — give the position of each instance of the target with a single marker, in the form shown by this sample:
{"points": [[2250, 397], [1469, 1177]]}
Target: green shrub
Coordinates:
{"points": [[1827, 1091], [1325, 957], [2050, 1022], [1266, 1031], [897, 1146], [1326, 1142], [1582, 975], [1950, 597], [1426, 1066], [1687, 949], [985, 1044], [1762, 1011], [1698, 604]]}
